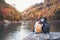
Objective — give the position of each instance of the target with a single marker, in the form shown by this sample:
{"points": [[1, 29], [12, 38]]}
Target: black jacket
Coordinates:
{"points": [[46, 27]]}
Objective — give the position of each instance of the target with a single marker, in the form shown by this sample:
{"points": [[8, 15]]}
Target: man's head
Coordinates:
{"points": [[43, 19]]}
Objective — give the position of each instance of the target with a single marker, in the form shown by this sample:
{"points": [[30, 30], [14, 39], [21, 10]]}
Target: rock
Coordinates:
{"points": [[42, 36]]}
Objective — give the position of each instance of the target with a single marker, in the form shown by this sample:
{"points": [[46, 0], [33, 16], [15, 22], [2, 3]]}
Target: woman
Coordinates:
{"points": [[38, 27]]}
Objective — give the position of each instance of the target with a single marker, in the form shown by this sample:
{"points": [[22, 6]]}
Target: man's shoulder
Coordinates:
{"points": [[47, 24]]}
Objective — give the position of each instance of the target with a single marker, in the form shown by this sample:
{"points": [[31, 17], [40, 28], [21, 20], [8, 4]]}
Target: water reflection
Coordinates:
{"points": [[17, 35], [6, 29], [1, 30], [55, 26]]}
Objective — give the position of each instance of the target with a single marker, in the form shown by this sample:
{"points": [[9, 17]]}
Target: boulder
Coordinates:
{"points": [[43, 36]]}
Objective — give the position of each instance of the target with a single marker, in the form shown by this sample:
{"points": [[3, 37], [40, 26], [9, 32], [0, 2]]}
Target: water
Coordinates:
{"points": [[55, 26], [19, 31], [14, 31]]}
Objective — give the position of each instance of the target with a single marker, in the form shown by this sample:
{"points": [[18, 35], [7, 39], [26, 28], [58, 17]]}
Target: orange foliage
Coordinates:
{"points": [[48, 9], [5, 11]]}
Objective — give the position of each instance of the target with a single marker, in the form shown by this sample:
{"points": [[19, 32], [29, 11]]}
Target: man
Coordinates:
{"points": [[46, 26]]}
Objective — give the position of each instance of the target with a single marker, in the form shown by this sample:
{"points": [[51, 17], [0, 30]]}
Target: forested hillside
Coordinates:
{"points": [[8, 12], [49, 9]]}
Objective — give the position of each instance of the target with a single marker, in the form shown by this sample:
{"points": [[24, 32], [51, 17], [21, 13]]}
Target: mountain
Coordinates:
{"points": [[8, 12], [49, 9]]}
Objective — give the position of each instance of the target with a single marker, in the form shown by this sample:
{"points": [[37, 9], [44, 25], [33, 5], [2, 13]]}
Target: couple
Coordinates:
{"points": [[42, 26]]}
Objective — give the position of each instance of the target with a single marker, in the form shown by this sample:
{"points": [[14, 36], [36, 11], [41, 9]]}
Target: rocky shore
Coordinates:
{"points": [[42, 36]]}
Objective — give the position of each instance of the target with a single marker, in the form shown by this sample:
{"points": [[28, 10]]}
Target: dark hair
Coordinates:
{"points": [[40, 22], [45, 18]]}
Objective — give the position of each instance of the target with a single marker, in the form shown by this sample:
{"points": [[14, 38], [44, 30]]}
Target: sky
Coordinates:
{"points": [[21, 5]]}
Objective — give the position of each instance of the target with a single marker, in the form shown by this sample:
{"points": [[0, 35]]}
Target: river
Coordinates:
{"points": [[19, 31]]}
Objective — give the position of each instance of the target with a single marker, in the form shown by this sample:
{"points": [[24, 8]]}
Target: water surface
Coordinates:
{"points": [[19, 31]]}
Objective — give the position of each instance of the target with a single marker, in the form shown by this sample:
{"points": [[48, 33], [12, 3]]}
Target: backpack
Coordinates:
{"points": [[37, 27]]}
